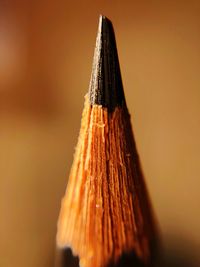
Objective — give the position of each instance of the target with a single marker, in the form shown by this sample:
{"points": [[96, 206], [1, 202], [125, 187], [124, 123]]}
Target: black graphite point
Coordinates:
{"points": [[106, 87]]}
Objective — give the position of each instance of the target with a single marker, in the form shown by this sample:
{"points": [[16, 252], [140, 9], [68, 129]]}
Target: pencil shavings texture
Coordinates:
{"points": [[105, 211]]}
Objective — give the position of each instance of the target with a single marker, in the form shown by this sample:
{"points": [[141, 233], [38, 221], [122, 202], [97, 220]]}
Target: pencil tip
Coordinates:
{"points": [[103, 17], [106, 87]]}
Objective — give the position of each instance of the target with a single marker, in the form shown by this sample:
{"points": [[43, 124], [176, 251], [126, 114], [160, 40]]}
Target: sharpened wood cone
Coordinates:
{"points": [[106, 216]]}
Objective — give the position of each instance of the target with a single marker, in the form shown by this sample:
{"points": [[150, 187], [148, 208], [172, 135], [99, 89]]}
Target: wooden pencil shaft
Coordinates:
{"points": [[106, 218]]}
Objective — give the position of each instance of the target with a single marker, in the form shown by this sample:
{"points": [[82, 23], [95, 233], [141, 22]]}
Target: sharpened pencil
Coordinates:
{"points": [[106, 217]]}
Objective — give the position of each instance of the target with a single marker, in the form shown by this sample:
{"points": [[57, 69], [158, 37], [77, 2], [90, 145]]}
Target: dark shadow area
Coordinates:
{"points": [[65, 258], [128, 260], [170, 258], [70, 259]]}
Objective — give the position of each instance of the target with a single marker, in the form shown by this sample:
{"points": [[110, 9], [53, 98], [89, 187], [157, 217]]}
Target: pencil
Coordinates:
{"points": [[106, 217]]}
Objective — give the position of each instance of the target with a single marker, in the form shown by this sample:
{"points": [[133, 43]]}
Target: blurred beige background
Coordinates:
{"points": [[46, 50]]}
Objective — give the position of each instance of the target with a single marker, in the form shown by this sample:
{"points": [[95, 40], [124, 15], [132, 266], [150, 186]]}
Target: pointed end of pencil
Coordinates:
{"points": [[104, 19], [106, 84]]}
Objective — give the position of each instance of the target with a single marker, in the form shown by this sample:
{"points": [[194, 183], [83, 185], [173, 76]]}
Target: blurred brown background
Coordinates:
{"points": [[46, 50]]}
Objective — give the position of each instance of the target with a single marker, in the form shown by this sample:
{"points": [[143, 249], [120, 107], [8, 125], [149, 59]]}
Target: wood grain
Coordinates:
{"points": [[105, 212]]}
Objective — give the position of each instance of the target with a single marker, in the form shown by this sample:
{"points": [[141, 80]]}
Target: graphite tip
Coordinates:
{"points": [[106, 87]]}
